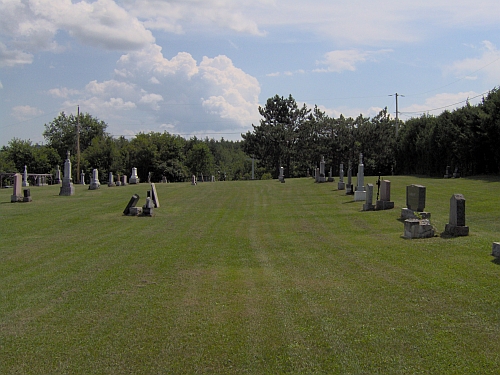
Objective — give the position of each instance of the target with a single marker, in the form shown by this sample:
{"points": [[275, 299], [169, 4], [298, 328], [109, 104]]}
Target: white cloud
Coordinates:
{"points": [[440, 102], [151, 100], [13, 57], [24, 112], [340, 60], [63, 92]]}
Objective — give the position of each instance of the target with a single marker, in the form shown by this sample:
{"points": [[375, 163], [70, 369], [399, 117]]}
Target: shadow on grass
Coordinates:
{"points": [[496, 261], [353, 201]]}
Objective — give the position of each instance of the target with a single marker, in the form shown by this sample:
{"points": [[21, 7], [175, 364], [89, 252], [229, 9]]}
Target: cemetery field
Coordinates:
{"points": [[247, 277]]}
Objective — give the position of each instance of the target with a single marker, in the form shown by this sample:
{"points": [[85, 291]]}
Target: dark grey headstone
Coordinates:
{"points": [[133, 201], [415, 197], [457, 210]]}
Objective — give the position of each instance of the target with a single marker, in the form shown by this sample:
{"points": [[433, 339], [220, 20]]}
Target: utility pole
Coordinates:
{"points": [[397, 112], [78, 146]]}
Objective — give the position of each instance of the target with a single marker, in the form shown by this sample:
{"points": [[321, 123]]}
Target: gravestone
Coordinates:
{"points": [[193, 180], [147, 209], [317, 175], [16, 188], [134, 179], [67, 187], [495, 250], [456, 227], [27, 195], [281, 177], [213, 178], [58, 176], [133, 201], [448, 173], [124, 180], [415, 203], [330, 176], [111, 180], [154, 195], [322, 177], [341, 184], [118, 180], [82, 178], [368, 206], [25, 177], [416, 228], [94, 181], [360, 193], [384, 203], [164, 179], [456, 174], [349, 189]]}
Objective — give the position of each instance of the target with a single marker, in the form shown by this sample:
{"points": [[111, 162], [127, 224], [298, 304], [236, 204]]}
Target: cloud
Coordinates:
{"points": [[25, 112], [440, 102], [62, 92], [485, 65], [13, 57], [341, 60]]}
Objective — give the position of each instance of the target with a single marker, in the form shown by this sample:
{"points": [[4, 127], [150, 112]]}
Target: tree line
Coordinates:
{"points": [[295, 137]]}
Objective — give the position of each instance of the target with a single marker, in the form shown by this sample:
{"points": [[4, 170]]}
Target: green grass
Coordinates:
{"points": [[252, 277]]}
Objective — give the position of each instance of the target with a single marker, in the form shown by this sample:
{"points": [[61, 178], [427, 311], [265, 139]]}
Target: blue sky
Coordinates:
{"points": [[203, 67]]}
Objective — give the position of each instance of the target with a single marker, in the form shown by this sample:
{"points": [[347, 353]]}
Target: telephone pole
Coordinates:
{"points": [[78, 146], [397, 112]]}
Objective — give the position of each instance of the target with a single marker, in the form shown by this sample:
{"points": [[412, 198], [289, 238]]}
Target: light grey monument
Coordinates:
{"points": [[384, 203], [147, 209], [25, 178], [322, 177], [16, 189], [67, 187], [58, 175], [111, 181], [360, 193], [341, 184], [134, 179], [456, 227], [94, 181], [368, 206], [82, 178], [193, 180], [154, 195]]}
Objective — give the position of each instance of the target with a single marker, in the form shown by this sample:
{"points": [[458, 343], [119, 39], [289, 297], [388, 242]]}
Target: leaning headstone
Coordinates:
{"points": [[415, 203], [456, 227], [147, 209], [154, 195], [94, 181], [349, 190], [134, 179], [67, 187], [384, 203], [368, 206], [448, 173], [111, 180], [133, 201], [341, 184], [16, 188], [27, 195], [25, 177], [58, 176], [360, 193]]}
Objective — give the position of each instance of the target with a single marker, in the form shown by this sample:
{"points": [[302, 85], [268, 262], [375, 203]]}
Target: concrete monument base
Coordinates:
{"points": [[359, 195], [384, 205], [341, 186], [415, 228], [456, 231]]}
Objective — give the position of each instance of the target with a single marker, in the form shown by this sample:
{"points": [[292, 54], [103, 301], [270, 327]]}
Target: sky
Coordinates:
{"points": [[203, 67]]}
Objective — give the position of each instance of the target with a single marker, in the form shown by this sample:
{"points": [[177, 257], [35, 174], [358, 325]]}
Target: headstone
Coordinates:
{"points": [[27, 195], [281, 177], [415, 203], [341, 184], [368, 206], [416, 228], [25, 177], [330, 176], [448, 173], [322, 177], [134, 179], [213, 178], [94, 181], [193, 180], [495, 250], [149, 177], [133, 201], [147, 209], [82, 178], [154, 196], [16, 188], [360, 193], [111, 180], [384, 203], [164, 179], [349, 189], [67, 187], [456, 174], [317, 175], [58, 176], [118, 180], [124, 180], [456, 227]]}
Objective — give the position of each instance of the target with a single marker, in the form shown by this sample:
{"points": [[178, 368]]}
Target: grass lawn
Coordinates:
{"points": [[247, 277]]}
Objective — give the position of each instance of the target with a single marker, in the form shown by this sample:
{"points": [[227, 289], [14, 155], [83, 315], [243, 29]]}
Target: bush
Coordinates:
{"points": [[266, 176]]}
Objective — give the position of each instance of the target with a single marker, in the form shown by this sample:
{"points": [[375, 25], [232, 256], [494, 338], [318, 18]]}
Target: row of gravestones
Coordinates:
{"points": [[152, 202]]}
